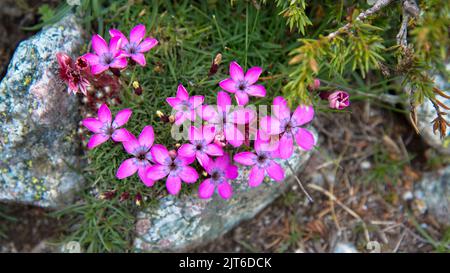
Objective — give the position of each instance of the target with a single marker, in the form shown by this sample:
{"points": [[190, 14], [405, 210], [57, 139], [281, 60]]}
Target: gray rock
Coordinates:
{"points": [[434, 191], [426, 114], [38, 121], [182, 223]]}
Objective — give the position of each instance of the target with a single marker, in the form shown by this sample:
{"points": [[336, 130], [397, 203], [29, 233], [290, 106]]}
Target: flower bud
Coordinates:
{"points": [[315, 85]]}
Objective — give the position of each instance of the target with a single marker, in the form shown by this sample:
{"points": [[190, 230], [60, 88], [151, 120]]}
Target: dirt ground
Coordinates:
{"points": [[14, 15]]}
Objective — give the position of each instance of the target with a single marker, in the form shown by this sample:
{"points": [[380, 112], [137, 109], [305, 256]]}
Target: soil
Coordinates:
{"points": [[14, 15]]}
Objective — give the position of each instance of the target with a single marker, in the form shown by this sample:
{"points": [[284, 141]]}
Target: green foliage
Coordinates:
{"points": [[361, 47], [294, 11], [46, 13]]}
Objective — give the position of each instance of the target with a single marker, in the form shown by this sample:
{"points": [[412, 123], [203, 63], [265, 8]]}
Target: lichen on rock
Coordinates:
{"points": [[38, 120]]}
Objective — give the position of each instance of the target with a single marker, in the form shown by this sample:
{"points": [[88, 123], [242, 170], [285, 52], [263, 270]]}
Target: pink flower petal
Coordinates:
{"points": [[223, 101], [188, 174], [275, 171], [139, 58], [209, 132], [118, 33], [195, 134], [241, 97], [203, 159], [280, 108], [286, 147], [104, 114], [92, 124], [196, 101], [270, 125], [160, 154], [142, 173], [114, 45], [98, 69], [122, 135], [245, 158], [206, 189], [180, 118], [184, 161], [305, 139], [225, 190], [182, 93], [91, 58], [173, 101], [99, 44], [233, 135], [187, 150], [228, 85], [122, 117], [173, 184], [252, 75], [256, 176], [147, 44], [119, 63], [137, 34], [96, 140], [231, 172], [242, 116], [147, 136], [302, 115], [214, 150], [157, 172], [208, 113], [131, 145], [236, 72], [222, 162], [256, 90], [127, 168]]}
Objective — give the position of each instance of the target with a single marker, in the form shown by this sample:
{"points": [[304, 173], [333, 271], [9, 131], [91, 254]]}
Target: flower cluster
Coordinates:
{"points": [[214, 132], [223, 128], [89, 68]]}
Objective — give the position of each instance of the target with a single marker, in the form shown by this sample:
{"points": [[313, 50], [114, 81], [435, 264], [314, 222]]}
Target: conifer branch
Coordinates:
{"points": [[380, 4]]}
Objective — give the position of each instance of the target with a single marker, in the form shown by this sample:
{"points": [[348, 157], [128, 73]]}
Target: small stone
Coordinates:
{"points": [[426, 114], [345, 248], [433, 195]]}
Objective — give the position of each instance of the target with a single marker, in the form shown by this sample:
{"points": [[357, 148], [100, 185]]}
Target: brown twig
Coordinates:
{"points": [[363, 15]]}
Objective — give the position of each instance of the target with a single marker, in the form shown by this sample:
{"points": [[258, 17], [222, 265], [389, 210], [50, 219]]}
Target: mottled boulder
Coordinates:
{"points": [[38, 121], [181, 223], [434, 191], [426, 114]]}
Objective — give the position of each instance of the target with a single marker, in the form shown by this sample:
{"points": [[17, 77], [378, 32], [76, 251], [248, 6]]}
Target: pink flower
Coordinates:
{"points": [[339, 100], [175, 168], [76, 75], [242, 85], [136, 46], [282, 124], [140, 162], [105, 57], [201, 146], [315, 85], [184, 105], [220, 171], [226, 120], [104, 127], [263, 163]]}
